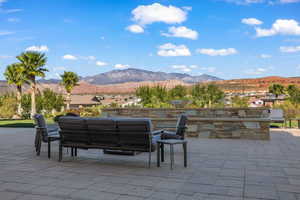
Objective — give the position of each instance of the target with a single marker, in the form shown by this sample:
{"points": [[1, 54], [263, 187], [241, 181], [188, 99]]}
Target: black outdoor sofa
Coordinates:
{"points": [[108, 134]]}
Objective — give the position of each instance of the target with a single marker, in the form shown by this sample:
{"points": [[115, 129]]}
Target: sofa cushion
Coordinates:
{"points": [[102, 131], [73, 129], [134, 132]]}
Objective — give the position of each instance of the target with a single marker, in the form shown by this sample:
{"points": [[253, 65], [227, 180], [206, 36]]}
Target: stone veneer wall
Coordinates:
{"points": [[244, 123]]}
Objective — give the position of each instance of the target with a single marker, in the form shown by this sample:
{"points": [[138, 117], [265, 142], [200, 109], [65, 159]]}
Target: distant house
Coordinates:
{"points": [[271, 100], [84, 101], [106, 100]]}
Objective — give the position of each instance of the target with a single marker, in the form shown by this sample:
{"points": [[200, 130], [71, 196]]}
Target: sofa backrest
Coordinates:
{"points": [[106, 131], [134, 132], [102, 131], [181, 125], [73, 129]]}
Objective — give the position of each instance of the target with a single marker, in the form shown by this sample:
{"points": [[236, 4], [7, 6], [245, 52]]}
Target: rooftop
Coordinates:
{"points": [[217, 169]]}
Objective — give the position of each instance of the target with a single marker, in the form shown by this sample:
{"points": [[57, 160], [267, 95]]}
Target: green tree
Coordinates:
{"points": [[207, 95], [178, 92], [294, 94], [15, 74], [51, 100], [160, 92], [240, 102], [8, 105], [214, 95], [276, 89], [33, 64], [145, 94], [69, 81], [198, 95]]}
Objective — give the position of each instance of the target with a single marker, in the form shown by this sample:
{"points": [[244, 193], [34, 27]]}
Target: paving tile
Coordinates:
{"points": [[288, 188], [287, 196], [218, 170], [9, 195], [260, 192]]}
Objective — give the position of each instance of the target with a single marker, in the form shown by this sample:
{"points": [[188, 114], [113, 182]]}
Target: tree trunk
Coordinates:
{"points": [[33, 91], [68, 100], [19, 97]]}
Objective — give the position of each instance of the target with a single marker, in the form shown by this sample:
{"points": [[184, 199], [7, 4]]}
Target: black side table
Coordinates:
{"points": [[171, 142]]}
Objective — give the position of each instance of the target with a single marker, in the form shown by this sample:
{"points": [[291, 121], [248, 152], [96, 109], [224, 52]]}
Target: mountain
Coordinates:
{"points": [[140, 75]]}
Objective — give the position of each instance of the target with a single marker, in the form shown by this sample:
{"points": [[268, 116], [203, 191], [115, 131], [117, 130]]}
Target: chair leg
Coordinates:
{"points": [[60, 152], [185, 154], [72, 151], [162, 150], [75, 151], [49, 148], [158, 154], [149, 159], [172, 155], [38, 149]]}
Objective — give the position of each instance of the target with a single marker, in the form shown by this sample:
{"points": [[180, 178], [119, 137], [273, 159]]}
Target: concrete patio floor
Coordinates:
{"points": [[217, 170]]}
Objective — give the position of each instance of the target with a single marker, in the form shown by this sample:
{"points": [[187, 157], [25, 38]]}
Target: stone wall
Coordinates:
{"points": [[244, 123]]}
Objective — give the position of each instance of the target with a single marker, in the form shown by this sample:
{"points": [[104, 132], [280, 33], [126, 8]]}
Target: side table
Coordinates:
{"points": [[171, 142]]}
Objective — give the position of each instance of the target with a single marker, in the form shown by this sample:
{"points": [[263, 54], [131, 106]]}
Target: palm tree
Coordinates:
{"points": [[33, 63], [69, 80], [15, 74], [277, 89]]}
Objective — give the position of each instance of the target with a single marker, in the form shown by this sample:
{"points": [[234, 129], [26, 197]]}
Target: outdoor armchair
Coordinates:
{"points": [[179, 133], [44, 134]]}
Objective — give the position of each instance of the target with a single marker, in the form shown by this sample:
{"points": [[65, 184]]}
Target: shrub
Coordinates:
{"points": [[8, 106]]}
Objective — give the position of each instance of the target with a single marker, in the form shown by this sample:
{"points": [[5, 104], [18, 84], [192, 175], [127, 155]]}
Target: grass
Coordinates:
{"points": [[294, 124], [27, 123]]}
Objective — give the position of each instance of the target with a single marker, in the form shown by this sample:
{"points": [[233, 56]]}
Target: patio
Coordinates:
{"points": [[217, 169]]}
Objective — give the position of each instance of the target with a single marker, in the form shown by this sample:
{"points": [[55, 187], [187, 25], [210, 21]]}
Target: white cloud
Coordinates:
{"points": [[13, 20], [170, 49], [121, 66], [69, 57], [186, 68], [182, 32], [188, 8], [2, 1], [148, 14], [270, 2], [280, 27], [256, 71], [42, 48], [68, 21], [59, 68], [265, 56], [289, 1], [208, 69], [218, 52], [3, 33], [91, 58], [183, 68], [244, 2], [5, 56], [251, 21], [290, 49], [100, 63], [8, 11], [135, 28]]}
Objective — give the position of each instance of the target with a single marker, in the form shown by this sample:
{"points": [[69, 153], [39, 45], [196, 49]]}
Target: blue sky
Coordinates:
{"points": [[225, 38]]}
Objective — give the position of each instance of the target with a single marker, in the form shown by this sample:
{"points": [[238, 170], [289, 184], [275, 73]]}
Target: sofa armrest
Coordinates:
{"points": [[157, 132]]}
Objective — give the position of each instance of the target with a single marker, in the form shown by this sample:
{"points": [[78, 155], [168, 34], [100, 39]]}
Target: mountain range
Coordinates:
{"points": [[140, 75]]}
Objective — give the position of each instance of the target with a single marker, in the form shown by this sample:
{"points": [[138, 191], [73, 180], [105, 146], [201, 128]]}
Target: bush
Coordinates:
{"points": [[290, 109], [8, 106], [45, 103]]}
